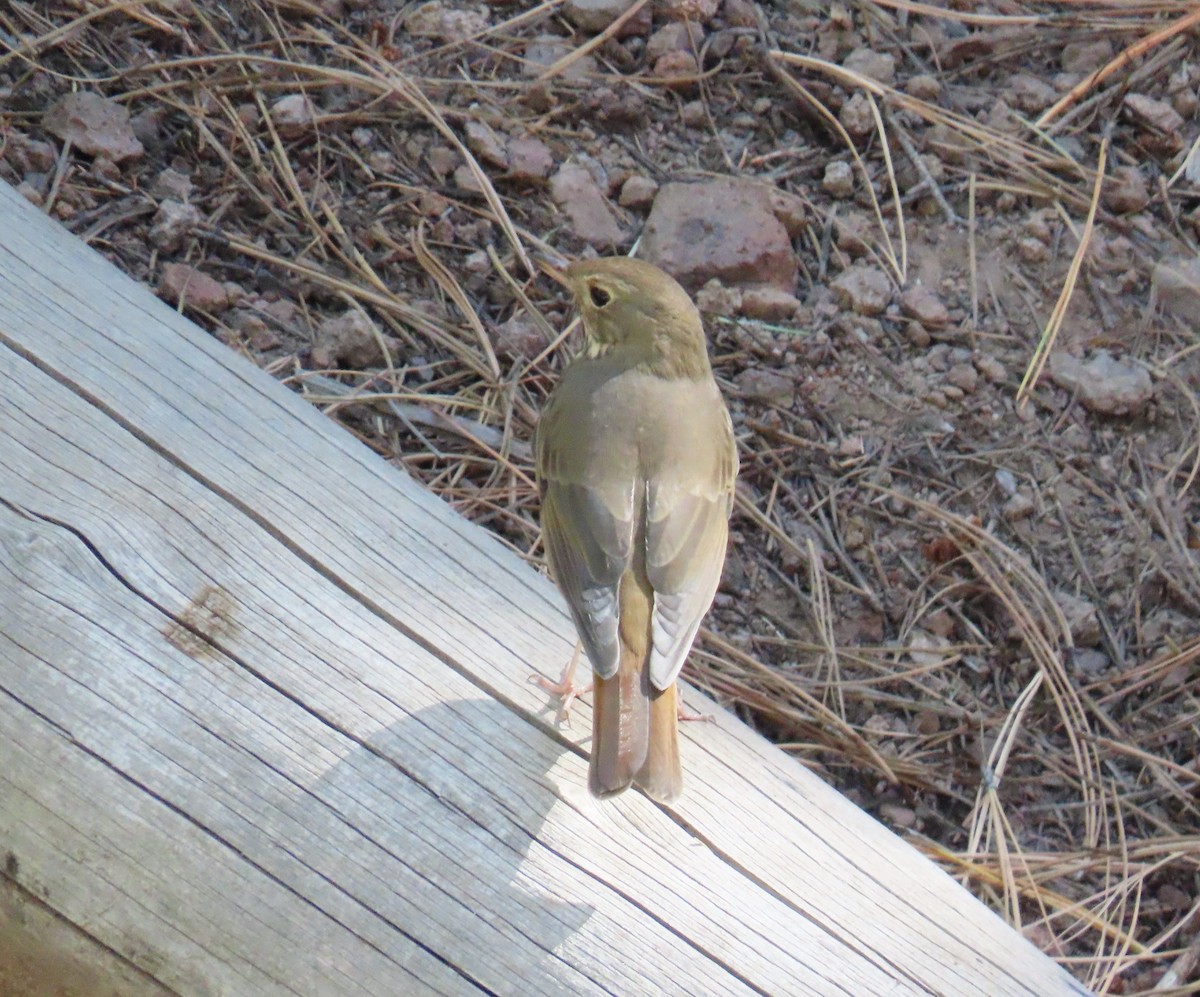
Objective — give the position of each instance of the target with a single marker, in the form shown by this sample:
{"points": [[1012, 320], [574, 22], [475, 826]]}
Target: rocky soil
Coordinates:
{"points": [[878, 210]]}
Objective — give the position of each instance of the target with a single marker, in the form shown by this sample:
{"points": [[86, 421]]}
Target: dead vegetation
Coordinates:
{"points": [[967, 598]]}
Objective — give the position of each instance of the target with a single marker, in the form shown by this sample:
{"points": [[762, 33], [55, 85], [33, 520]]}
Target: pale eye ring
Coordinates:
{"points": [[599, 296]]}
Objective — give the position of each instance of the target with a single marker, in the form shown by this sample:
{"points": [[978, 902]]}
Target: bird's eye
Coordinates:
{"points": [[599, 296]]}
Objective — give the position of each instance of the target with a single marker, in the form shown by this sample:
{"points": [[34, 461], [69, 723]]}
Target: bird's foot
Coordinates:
{"points": [[687, 716], [565, 688]]}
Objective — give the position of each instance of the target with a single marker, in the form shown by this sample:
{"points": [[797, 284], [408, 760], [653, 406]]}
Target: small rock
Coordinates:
{"points": [[637, 192], [694, 113], [582, 201], [1029, 94], [1103, 384], [921, 303], [171, 185], [1126, 191], [445, 22], [768, 304], [838, 180], [482, 141], [863, 290], [741, 13], [30, 192], [700, 11], [595, 16], [879, 66], [927, 88], [680, 66], [543, 51], [1090, 662], [917, 334], [465, 179], [1176, 283], [353, 340], [29, 155], [897, 815], [677, 36], [963, 376], [1155, 113], [1020, 506], [1085, 57], [990, 368], [520, 338], [853, 232], [1081, 618], [928, 650], [714, 298], [856, 116], [1033, 250], [442, 160], [294, 115], [790, 211], [766, 385], [185, 284], [172, 224], [529, 159], [94, 125], [1006, 480], [723, 228]]}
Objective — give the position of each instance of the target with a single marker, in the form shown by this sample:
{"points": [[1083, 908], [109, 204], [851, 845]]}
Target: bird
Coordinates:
{"points": [[635, 463]]}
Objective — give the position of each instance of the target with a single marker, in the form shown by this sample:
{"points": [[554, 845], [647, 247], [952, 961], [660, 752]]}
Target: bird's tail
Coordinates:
{"points": [[635, 735]]}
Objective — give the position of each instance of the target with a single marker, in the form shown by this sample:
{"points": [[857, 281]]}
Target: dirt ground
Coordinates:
{"points": [[971, 608]]}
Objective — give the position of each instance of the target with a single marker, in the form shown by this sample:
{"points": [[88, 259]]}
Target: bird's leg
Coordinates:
{"points": [[687, 716], [565, 686]]}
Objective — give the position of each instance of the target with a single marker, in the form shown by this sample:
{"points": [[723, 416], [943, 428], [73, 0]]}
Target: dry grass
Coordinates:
{"points": [[953, 706]]}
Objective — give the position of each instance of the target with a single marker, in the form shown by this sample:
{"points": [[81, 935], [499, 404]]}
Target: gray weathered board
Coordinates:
{"points": [[348, 786]]}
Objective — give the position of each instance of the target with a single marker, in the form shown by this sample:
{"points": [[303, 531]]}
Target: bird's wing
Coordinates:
{"points": [[687, 527], [588, 531]]}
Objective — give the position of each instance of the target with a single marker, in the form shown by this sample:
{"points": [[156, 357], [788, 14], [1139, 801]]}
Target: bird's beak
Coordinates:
{"points": [[553, 267]]}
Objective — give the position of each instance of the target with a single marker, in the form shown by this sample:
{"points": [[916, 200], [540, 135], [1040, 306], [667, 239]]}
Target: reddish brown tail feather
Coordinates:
{"points": [[635, 736]]}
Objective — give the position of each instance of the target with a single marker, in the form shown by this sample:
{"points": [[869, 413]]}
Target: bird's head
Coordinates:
{"points": [[634, 308]]}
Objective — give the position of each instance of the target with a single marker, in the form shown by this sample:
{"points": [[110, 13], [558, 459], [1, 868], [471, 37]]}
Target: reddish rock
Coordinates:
{"points": [[1103, 384], [172, 224], [768, 304], [294, 115], [874, 65], [581, 200], [595, 16], [529, 159], [766, 385], [838, 180], [520, 338], [678, 36], [681, 66], [922, 304], [171, 185], [1176, 283], [482, 141], [95, 125], [1086, 56], [1156, 114], [863, 289], [723, 228], [185, 284], [351, 339], [1126, 191], [700, 11], [446, 22], [638, 192]]}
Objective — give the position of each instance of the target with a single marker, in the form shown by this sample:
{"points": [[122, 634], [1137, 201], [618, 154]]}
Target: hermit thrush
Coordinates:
{"points": [[635, 464]]}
